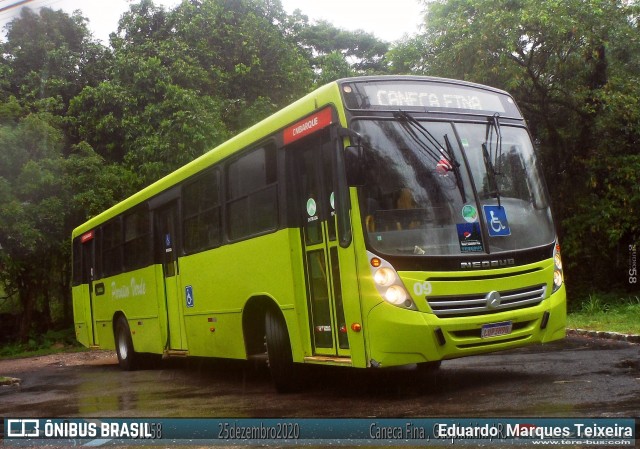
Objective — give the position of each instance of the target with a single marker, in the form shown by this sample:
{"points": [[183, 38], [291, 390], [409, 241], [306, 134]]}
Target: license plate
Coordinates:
{"points": [[496, 329]]}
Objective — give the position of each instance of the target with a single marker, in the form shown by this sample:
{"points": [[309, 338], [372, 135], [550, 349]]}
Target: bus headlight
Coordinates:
{"points": [[384, 277], [389, 284], [558, 274], [396, 295]]}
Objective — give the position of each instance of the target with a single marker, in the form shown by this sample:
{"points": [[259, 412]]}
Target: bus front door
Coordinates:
{"points": [[313, 171], [166, 242]]}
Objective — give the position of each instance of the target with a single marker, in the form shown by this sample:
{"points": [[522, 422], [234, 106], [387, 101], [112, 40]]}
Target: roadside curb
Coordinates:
{"points": [[630, 338]]}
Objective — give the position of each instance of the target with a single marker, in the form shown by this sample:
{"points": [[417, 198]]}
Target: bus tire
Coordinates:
{"points": [[279, 355], [127, 357]]}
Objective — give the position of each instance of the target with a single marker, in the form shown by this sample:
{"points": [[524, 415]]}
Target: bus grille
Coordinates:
{"points": [[476, 304]]}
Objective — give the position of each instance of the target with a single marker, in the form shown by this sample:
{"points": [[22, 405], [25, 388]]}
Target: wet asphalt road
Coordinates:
{"points": [[577, 377]]}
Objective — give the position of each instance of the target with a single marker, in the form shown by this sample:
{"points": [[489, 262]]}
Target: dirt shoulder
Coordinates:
{"points": [[22, 365]]}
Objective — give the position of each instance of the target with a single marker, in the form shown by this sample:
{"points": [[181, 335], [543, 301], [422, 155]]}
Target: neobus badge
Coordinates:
{"points": [[87, 237], [307, 126]]}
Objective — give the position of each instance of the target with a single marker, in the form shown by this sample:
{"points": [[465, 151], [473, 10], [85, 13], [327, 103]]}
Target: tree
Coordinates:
{"points": [[31, 221], [570, 65], [336, 53], [48, 58], [150, 130], [182, 81]]}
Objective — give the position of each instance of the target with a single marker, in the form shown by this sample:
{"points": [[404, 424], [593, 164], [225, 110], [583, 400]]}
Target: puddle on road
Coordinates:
{"points": [[505, 384]]}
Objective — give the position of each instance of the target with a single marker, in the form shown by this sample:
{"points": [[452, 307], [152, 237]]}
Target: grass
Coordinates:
{"points": [[607, 313], [9, 381], [49, 343]]}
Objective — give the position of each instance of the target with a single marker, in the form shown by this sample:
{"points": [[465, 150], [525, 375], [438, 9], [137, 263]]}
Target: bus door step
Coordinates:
{"points": [[175, 353], [328, 360], [258, 357]]}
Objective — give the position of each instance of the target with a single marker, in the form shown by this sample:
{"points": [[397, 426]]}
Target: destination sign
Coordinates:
{"points": [[428, 95]]}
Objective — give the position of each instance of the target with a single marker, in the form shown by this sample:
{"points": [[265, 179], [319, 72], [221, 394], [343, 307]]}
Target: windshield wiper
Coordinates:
{"points": [[490, 165], [439, 154], [411, 125], [456, 168]]}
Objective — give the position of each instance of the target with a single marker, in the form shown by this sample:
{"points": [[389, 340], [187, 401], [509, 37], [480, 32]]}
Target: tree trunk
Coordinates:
{"points": [[28, 302]]}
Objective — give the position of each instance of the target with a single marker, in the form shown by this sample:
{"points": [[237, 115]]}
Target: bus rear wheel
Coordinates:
{"points": [[127, 357], [279, 355]]}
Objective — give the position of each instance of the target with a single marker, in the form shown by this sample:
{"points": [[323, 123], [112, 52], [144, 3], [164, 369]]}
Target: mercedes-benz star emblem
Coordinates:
{"points": [[493, 300]]}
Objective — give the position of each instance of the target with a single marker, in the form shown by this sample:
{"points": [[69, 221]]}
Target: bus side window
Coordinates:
{"points": [[112, 247], [201, 217], [252, 203], [137, 243]]}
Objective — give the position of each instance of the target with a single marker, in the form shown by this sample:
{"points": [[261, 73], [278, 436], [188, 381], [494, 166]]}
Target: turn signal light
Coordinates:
{"points": [[356, 327]]}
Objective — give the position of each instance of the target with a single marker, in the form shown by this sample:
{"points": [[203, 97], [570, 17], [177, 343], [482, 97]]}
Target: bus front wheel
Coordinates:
{"points": [[279, 353], [124, 345]]}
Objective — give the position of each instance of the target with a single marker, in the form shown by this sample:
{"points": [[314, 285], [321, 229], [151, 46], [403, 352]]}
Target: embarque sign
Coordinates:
{"points": [[308, 125]]}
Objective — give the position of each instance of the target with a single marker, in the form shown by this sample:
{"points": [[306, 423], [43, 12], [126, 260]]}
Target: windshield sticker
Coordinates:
{"points": [[443, 167], [497, 222], [312, 209], [470, 237], [469, 213]]}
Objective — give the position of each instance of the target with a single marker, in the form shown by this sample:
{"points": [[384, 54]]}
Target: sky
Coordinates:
{"points": [[387, 20]]}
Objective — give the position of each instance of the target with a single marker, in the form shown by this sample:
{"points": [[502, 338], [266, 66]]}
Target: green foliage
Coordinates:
{"points": [[335, 53], [50, 56], [184, 80], [594, 304], [611, 312], [409, 56], [242, 51], [48, 343], [605, 220], [32, 224]]}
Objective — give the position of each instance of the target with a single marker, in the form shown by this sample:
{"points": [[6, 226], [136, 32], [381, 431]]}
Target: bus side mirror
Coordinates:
{"points": [[354, 165]]}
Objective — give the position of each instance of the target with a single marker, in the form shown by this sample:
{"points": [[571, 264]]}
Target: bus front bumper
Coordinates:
{"points": [[399, 337]]}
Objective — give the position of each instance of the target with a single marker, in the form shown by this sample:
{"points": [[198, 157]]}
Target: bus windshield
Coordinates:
{"points": [[455, 188]]}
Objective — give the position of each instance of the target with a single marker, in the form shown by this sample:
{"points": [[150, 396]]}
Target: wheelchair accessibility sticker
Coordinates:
{"points": [[188, 290], [497, 223]]}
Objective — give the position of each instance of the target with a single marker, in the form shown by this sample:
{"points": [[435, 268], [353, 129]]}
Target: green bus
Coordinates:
{"points": [[376, 222]]}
